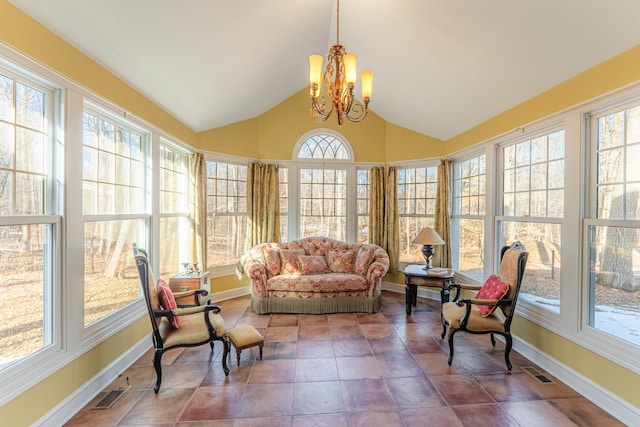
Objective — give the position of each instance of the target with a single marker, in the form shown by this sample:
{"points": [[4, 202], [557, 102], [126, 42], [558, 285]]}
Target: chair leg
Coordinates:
{"points": [[225, 354], [158, 366], [451, 332], [493, 340], [211, 344], [507, 349], [444, 330]]}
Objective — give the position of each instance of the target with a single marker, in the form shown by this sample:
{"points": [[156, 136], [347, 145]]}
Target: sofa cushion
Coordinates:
{"points": [[363, 259], [332, 282], [341, 261], [312, 264], [271, 258], [493, 288], [289, 259]]}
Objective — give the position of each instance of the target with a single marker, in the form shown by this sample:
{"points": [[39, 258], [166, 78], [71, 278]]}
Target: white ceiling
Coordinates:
{"points": [[440, 66]]}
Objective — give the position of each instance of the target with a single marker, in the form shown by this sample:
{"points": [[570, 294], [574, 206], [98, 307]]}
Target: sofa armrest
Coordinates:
{"points": [[376, 270], [258, 275]]}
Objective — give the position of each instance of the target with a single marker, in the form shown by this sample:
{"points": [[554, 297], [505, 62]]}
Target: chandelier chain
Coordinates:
{"points": [[338, 22]]}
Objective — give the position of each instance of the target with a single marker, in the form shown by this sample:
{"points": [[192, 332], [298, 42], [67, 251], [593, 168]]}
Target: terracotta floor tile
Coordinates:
{"points": [[367, 395], [507, 387], [314, 349], [537, 413], [398, 365], [273, 371], [320, 420], [391, 345], [460, 390], [346, 332], [267, 400], [281, 334], [164, 407], [352, 368], [344, 369], [584, 413], [313, 319], [278, 350], [371, 318], [213, 403], [377, 331], [316, 370], [314, 333], [280, 319], [317, 398], [433, 417], [490, 414], [374, 419], [98, 417], [414, 392], [346, 348]]}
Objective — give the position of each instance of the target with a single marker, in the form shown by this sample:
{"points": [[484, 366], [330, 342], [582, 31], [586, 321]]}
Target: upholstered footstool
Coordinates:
{"points": [[245, 336]]}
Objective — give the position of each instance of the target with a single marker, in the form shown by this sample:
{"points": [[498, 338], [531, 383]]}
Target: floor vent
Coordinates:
{"points": [[111, 398], [537, 374]]}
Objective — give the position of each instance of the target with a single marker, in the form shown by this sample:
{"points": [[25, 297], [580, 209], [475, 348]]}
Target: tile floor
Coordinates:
{"points": [[384, 369]]}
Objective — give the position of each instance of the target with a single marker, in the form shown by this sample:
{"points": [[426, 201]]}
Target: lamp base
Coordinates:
{"points": [[427, 252]]}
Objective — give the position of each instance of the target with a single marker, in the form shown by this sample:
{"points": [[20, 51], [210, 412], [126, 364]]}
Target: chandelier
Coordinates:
{"points": [[339, 80]]}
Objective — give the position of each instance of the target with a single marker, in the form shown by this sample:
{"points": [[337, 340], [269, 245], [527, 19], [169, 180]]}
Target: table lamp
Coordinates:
{"points": [[427, 238]]}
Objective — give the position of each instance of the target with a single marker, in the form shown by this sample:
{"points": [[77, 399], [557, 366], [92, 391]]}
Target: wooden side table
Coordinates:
{"points": [[415, 275], [189, 281]]}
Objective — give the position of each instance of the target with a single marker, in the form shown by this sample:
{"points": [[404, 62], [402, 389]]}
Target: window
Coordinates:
{"points": [[226, 212], [323, 189], [29, 226], [417, 189], [533, 209], [114, 208], [175, 230], [469, 188], [614, 258]]}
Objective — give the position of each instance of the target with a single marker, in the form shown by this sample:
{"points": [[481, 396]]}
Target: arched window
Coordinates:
{"points": [[326, 176]]}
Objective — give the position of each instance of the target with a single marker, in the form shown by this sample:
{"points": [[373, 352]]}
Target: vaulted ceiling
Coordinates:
{"points": [[441, 66]]}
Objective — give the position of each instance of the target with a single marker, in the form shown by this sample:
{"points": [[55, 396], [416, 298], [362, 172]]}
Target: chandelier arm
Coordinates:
{"points": [[318, 108]]}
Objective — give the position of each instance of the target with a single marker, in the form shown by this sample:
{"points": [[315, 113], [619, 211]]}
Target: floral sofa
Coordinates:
{"points": [[315, 275]]}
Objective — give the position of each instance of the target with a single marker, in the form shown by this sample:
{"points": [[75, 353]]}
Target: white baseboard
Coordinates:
{"points": [[609, 402], [81, 397], [233, 293], [422, 292]]}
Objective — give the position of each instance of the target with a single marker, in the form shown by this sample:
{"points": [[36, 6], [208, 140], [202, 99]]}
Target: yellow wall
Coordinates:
{"points": [[273, 136]]}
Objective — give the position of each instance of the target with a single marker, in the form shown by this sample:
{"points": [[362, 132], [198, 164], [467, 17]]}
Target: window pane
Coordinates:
{"points": [[226, 212], [409, 229], [323, 203], [27, 323], [471, 248], [110, 274], [174, 249], [541, 283], [614, 282]]}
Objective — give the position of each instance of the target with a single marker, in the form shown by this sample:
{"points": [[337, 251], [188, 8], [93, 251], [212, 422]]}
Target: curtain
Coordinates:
{"points": [[442, 226], [263, 204], [383, 212], [198, 209]]}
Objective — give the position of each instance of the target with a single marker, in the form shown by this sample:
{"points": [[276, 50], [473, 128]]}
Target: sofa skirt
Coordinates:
{"points": [[316, 305]]}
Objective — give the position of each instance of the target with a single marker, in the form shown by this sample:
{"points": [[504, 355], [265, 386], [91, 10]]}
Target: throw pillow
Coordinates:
{"points": [[313, 264], [493, 288], [271, 261], [341, 261], [167, 301], [364, 259], [290, 260]]}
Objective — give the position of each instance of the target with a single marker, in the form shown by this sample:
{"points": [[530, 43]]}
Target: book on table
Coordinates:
{"points": [[439, 272]]}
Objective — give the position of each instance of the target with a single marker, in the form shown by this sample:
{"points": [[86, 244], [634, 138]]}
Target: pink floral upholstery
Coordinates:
{"points": [[271, 258], [313, 264], [341, 261], [346, 278]]}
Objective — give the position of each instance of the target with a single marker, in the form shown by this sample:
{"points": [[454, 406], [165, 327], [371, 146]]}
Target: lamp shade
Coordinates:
{"points": [[428, 236]]}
